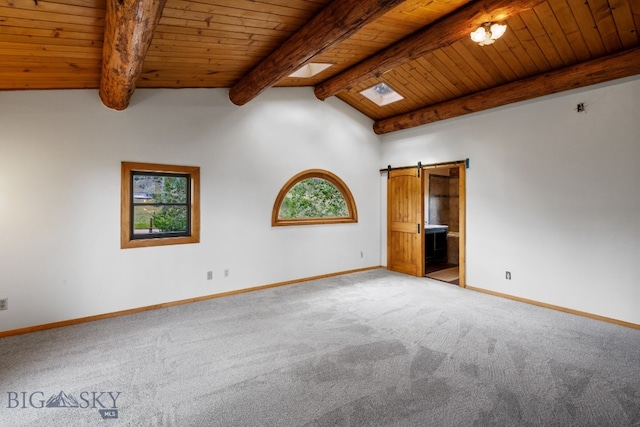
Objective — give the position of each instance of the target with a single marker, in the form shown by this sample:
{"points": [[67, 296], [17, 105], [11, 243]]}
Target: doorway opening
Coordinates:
{"points": [[444, 204], [424, 240]]}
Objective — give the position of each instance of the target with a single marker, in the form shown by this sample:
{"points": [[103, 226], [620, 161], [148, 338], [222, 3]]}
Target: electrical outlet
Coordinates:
{"points": [[361, 254], [209, 275], [507, 275], [4, 304], [226, 272]]}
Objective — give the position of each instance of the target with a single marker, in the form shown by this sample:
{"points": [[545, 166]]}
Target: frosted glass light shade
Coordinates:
{"points": [[488, 33]]}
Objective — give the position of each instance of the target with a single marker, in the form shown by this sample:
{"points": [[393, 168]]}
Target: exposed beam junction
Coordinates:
{"points": [[600, 70], [339, 20], [439, 34]]}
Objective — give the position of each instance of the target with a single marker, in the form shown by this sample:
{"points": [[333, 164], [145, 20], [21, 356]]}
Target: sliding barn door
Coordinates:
{"points": [[405, 222]]}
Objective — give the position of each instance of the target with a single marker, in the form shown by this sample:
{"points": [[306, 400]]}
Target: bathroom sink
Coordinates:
{"points": [[435, 228]]}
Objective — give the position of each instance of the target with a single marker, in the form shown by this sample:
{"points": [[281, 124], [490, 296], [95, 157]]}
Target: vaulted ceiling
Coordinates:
{"points": [[420, 48]]}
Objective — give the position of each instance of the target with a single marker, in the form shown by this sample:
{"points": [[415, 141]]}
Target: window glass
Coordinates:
{"points": [[314, 196], [160, 205]]}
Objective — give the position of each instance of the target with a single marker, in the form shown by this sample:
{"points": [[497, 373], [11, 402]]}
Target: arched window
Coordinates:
{"points": [[314, 196]]}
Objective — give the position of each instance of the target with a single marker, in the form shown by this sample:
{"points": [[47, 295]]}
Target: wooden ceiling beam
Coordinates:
{"points": [[600, 70], [336, 22], [128, 31], [439, 34]]}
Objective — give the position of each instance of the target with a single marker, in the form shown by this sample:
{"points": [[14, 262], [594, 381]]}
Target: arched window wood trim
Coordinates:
{"points": [[315, 173]]}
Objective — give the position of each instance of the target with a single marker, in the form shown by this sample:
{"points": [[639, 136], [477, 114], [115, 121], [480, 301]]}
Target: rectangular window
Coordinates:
{"points": [[160, 205]]}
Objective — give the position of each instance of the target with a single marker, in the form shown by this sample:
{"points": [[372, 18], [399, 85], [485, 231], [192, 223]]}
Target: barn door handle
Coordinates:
{"points": [[418, 228]]}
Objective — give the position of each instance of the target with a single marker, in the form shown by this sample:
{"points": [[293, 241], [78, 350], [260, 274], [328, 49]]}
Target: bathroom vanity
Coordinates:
{"points": [[435, 241]]}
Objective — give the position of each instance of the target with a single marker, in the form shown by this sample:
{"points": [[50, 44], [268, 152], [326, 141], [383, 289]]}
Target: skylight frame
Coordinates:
{"points": [[310, 70], [382, 94]]}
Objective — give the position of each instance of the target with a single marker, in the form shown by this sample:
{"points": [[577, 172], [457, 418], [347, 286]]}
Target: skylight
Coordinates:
{"points": [[382, 94], [309, 70]]}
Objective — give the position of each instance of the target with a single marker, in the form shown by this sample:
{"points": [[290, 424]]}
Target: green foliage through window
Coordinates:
{"points": [[314, 198], [160, 204]]}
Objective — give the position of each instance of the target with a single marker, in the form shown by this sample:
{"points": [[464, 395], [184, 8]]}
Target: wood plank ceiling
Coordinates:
{"points": [[420, 48]]}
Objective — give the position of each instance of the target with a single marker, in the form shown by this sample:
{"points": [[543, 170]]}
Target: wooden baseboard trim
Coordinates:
{"points": [[556, 307], [79, 320]]}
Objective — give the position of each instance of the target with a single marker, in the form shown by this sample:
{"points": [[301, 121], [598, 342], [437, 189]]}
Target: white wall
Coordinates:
{"points": [[552, 195], [60, 154]]}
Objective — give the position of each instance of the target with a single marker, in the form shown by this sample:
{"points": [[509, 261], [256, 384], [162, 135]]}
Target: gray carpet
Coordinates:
{"points": [[365, 349]]}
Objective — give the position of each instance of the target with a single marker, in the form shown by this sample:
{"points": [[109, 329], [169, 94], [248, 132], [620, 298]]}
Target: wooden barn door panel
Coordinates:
{"points": [[405, 220]]}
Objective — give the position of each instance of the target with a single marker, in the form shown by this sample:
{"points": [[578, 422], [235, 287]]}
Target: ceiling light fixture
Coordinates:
{"points": [[488, 33]]}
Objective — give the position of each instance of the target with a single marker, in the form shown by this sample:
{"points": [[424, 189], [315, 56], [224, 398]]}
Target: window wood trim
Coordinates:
{"points": [[126, 197], [314, 173]]}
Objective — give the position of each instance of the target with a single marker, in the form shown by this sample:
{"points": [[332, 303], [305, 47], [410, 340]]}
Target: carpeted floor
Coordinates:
{"points": [[365, 349]]}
